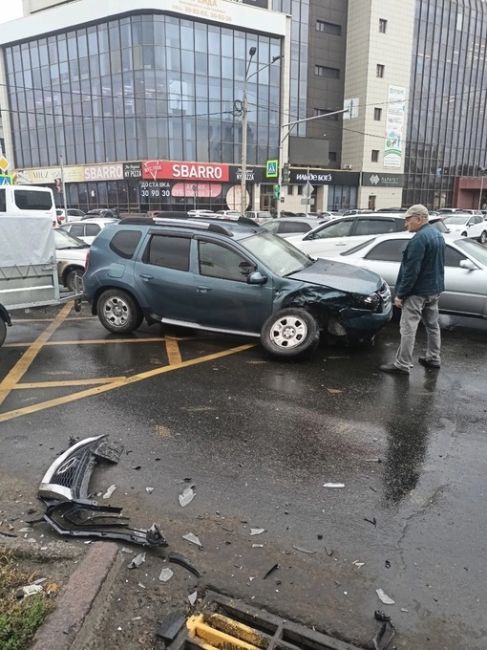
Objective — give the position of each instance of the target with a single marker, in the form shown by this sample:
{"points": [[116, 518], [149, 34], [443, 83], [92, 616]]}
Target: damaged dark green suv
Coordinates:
{"points": [[231, 277]]}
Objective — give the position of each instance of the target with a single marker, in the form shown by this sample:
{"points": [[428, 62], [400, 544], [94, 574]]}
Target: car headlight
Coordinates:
{"points": [[372, 301]]}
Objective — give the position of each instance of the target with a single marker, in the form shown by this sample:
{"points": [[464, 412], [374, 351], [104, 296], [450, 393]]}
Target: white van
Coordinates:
{"points": [[27, 201]]}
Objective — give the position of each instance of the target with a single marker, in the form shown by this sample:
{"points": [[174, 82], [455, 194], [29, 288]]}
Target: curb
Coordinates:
{"points": [[75, 602]]}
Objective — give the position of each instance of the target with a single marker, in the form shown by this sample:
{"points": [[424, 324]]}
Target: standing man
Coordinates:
{"points": [[419, 284]]}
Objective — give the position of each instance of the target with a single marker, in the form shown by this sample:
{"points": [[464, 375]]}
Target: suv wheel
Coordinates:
{"points": [[290, 333], [118, 311], [3, 331], [483, 237], [71, 279]]}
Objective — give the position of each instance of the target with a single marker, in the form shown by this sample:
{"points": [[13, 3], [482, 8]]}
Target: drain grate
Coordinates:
{"points": [[228, 624]]}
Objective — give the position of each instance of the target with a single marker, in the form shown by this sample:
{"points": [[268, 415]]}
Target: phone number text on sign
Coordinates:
{"points": [[154, 190]]}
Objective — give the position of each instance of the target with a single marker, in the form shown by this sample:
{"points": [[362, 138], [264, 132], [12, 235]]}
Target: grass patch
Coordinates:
{"points": [[19, 619]]}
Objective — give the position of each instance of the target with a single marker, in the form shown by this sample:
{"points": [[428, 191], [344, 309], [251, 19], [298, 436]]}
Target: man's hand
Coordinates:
{"points": [[398, 302]]}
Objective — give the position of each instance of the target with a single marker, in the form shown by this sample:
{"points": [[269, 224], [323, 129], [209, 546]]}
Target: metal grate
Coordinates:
{"points": [[228, 624]]}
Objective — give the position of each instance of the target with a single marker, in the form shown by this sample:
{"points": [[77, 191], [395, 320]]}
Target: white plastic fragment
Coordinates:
{"points": [[186, 496], [189, 537], [334, 485], [301, 549], [403, 609], [137, 561], [165, 575], [257, 545], [193, 598], [384, 598], [257, 531], [149, 490], [358, 564], [31, 590], [110, 491]]}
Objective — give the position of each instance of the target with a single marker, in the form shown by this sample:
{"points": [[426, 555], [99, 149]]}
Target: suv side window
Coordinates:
{"points": [[216, 261], [125, 242], [374, 226], [338, 229], [388, 251], [3, 200], [168, 251]]}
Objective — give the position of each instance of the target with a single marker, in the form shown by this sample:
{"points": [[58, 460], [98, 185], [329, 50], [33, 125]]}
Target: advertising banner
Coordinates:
{"points": [[132, 170], [164, 169], [104, 172], [393, 150]]}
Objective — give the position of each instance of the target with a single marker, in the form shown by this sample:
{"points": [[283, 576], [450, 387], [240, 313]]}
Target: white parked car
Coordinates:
{"points": [[87, 229], [71, 254], [465, 269], [467, 225], [332, 238]]}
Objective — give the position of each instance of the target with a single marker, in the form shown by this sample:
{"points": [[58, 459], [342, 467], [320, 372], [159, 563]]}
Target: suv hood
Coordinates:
{"points": [[341, 276]]}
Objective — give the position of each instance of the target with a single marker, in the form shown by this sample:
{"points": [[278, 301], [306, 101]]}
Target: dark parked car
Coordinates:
{"points": [[109, 213], [229, 276]]}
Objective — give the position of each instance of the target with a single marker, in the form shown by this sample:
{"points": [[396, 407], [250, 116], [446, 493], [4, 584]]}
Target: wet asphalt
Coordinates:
{"points": [[259, 439]]}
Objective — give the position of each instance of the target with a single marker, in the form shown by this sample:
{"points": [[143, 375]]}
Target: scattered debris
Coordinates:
{"points": [[166, 574], [137, 561], [149, 490], [169, 627], [403, 609], [271, 570], [358, 564], [384, 598], [301, 549], [187, 495], [334, 485], [4, 533], [176, 558], [373, 460], [334, 391], [29, 590], [329, 552], [64, 490], [257, 531], [388, 564], [372, 521], [110, 491], [257, 545], [52, 588], [319, 536], [193, 598], [189, 537], [385, 633]]}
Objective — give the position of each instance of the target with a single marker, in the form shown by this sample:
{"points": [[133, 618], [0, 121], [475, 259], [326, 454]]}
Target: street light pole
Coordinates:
{"points": [[289, 126], [483, 171], [243, 161], [64, 187]]}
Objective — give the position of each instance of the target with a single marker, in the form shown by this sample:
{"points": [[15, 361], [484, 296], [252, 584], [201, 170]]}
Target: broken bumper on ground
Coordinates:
{"points": [[64, 490]]}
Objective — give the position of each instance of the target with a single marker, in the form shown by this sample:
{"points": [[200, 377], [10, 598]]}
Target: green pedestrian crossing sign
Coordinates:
{"points": [[277, 191], [272, 168]]}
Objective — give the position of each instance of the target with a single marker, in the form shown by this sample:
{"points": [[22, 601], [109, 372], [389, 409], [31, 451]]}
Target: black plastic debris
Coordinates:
{"points": [[170, 626], [271, 571], [372, 521], [177, 558], [385, 633], [64, 491]]}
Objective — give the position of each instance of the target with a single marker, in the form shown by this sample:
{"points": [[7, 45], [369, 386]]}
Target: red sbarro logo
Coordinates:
{"points": [[163, 169]]}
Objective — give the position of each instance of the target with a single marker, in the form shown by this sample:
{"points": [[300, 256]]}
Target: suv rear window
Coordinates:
{"points": [[32, 200], [170, 252], [125, 242]]}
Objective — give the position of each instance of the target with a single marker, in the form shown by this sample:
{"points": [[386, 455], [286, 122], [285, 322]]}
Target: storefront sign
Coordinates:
{"points": [[163, 169], [105, 172], [154, 190], [323, 177], [394, 126], [48, 175], [196, 190], [254, 174], [132, 170], [382, 180]]}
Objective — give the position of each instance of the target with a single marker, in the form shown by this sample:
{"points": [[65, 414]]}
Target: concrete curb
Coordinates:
{"points": [[75, 602]]}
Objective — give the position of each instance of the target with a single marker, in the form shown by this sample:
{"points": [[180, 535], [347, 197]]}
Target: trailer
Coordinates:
{"points": [[28, 268]]}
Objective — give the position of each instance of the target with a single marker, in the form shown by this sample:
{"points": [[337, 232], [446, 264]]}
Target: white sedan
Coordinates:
{"points": [[465, 269], [467, 225], [87, 229]]}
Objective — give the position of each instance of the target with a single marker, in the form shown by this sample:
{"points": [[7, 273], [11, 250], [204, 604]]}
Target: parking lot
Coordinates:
{"points": [[259, 439]]}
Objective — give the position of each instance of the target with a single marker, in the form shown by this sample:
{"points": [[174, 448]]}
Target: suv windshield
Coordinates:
{"points": [[456, 220], [62, 241], [276, 253]]}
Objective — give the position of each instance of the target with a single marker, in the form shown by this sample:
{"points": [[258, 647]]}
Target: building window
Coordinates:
{"points": [[380, 70], [325, 71], [377, 114], [328, 28], [382, 25], [324, 111], [375, 155]]}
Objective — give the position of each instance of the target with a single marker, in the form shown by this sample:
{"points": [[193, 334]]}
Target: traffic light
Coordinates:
{"points": [[276, 191], [286, 174]]}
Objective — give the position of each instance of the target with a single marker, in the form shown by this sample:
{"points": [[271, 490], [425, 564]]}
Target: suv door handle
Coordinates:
{"points": [[203, 289], [146, 277]]}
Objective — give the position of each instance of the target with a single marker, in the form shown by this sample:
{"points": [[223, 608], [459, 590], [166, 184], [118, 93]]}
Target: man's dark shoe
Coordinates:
{"points": [[393, 369], [429, 364]]}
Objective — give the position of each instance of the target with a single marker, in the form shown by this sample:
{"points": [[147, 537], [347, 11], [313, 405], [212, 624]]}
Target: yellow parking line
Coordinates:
{"points": [[19, 321], [173, 351], [90, 342], [98, 390], [23, 364], [68, 382]]}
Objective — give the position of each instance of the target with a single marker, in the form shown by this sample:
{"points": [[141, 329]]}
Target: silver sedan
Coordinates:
{"points": [[465, 269]]}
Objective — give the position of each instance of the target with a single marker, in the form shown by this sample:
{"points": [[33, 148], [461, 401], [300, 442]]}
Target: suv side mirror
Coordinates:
{"points": [[256, 277], [468, 264]]}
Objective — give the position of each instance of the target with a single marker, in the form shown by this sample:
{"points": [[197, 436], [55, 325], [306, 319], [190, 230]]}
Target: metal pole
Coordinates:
{"points": [[243, 162], [64, 188], [481, 188]]}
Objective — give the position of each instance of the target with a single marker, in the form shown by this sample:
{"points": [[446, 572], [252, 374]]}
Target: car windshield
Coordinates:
{"points": [[439, 225], [456, 220], [63, 240], [474, 249], [276, 253]]}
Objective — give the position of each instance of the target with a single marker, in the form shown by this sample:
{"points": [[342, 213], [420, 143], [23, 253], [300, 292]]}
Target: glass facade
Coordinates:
{"points": [[146, 86], [299, 11], [447, 133]]}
